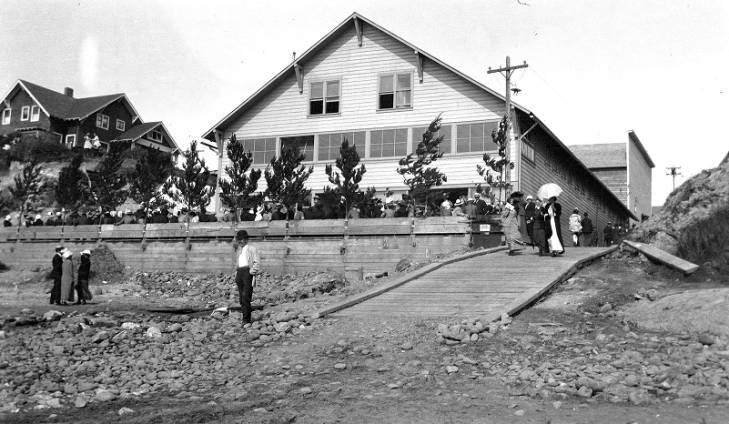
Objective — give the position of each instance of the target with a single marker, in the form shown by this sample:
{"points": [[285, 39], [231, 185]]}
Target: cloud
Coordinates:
{"points": [[89, 62]]}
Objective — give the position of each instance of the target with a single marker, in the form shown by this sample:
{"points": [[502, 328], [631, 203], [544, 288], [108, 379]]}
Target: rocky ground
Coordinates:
{"points": [[577, 356]]}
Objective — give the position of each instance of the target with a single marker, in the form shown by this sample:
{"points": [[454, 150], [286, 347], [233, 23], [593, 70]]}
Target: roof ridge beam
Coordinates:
{"points": [[358, 30]]}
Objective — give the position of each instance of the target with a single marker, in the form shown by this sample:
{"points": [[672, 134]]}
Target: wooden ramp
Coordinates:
{"points": [[483, 286]]}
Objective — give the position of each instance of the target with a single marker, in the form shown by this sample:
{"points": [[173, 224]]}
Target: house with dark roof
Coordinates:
{"points": [[29, 109], [364, 83], [626, 168]]}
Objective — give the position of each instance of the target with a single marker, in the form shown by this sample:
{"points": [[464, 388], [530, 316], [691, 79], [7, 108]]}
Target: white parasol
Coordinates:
{"points": [[549, 190]]}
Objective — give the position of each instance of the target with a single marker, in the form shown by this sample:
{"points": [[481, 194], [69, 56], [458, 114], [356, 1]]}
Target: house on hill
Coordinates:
{"points": [[366, 84], [626, 168], [32, 110]]}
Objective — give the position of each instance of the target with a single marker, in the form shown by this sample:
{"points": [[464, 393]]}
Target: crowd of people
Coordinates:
{"points": [[67, 277], [81, 217]]}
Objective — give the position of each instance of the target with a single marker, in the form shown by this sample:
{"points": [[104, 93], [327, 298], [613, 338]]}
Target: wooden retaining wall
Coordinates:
{"points": [[355, 248]]}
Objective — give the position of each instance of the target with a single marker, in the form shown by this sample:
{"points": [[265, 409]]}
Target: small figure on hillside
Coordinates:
{"points": [[248, 267], [95, 142], [68, 276], [554, 213], [38, 222], [88, 145], [82, 279], [575, 227], [588, 236], [8, 222], [56, 274]]}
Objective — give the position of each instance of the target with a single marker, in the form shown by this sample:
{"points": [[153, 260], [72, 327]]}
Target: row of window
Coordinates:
{"points": [[394, 91], [470, 137], [102, 121], [27, 113]]}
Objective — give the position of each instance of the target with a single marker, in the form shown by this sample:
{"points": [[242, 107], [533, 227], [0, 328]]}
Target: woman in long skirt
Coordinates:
{"points": [[554, 212], [539, 236], [67, 278], [510, 226], [82, 284]]}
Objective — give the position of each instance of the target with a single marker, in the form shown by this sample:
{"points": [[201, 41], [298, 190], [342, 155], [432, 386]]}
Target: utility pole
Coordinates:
{"points": [[673, 171], [506, 71]]}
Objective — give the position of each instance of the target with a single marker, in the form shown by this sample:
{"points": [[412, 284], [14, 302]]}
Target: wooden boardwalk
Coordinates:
{"points": [[481, 286]]}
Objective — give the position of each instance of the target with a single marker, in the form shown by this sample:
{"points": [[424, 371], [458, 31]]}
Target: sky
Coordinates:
{"points": [[597, 69]]}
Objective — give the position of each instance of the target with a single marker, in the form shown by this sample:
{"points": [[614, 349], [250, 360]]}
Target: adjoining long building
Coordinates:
{"points": [[362, 82]]}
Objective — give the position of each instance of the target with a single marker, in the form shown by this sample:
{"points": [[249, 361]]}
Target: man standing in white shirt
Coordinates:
{"points": [[249, 265]]}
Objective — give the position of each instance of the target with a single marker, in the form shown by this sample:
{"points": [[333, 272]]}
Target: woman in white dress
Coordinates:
{"points": [[554, 212]]}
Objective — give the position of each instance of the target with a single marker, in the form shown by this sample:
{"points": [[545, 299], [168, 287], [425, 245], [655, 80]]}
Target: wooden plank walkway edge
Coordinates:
{"points": [[401, 280], [531, 296]]}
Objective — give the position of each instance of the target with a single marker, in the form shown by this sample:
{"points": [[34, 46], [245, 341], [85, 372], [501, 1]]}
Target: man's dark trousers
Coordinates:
{"points": [[56, 290], [244, 281]]}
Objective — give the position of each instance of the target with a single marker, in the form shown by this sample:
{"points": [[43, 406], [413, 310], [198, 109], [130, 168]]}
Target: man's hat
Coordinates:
{"points": [[529, 197], [477, 195], [86, 252], [241, 235], [59, 248], [459, 202]]}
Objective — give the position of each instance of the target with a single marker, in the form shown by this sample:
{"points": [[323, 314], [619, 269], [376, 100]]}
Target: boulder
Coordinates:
{"points": [[153, 333], [52, 315]]}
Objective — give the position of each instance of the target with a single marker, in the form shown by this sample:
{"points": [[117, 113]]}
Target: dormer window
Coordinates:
{"points": [[34, 114], [120, 125], [395, 90], [6, 116], [25, 113], [324, 97], [102, 121]]}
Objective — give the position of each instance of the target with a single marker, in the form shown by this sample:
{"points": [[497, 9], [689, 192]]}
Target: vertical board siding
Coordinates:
{"points": [[640, 181]]}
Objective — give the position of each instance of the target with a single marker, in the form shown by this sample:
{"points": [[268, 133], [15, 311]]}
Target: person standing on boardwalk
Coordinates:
{"points": [[575, 227], [587, 231], [82, 279], [608, 234], [510, 225], [530, 212], [67, 277], [554, 213], [539, 234], [248, 266], [56, 274]]}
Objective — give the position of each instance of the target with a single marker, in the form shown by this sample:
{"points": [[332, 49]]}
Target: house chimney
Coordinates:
{"points": [[68, 91]]}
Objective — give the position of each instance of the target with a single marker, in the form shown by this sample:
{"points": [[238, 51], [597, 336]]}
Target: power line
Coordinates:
{"points": [[673, 171]]}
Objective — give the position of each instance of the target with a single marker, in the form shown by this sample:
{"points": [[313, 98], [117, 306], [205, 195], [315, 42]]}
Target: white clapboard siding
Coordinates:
{"points": [[283, 111]]}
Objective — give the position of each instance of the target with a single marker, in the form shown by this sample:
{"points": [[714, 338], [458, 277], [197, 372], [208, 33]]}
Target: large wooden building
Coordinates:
{"points": [[365, 83], [626, 168], [33, 111]]}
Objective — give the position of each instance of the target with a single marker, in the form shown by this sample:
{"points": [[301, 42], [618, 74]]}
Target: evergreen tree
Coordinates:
{"points": [[73, 189], [286, 178], [108, 183], [152, 169], [238, 191], [191, 187], [28, 185], [350, 174], [496, 171], [416, 169]]}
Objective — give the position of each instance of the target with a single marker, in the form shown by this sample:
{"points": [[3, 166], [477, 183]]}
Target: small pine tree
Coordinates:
{"points": [[350, 174], [238, 191], [108, 183], [152, 169], [416, 169], [496, 171], [28, 185], [191, 187], [73, 189], [286, 178]]}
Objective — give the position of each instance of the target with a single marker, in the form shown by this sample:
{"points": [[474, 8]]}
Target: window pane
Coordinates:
{"points": [[403, 81], [332, 107], [316, 107], [403, 98], [401, 149], [489, 141], [445, 144], [386, 83], [317, 90], [271, 145], [462, 145], [387, 101], [359, 140], [477, 131], [417, 137], [259, 145], [462, 131], [259, 157], [332, 88], [376, 150]]}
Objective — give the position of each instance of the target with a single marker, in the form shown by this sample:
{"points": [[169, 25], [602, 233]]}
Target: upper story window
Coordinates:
{"points": [[329, 144], [324, 97], [6, 116], [445, 144], [527, 150], [388, 143], [263, 149], [25, 113], [120, 124], [475, 137], [34, 114], [156, 135], [395, 90], [102, 121]]}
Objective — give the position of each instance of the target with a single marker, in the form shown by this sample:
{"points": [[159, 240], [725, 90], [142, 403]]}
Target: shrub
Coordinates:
{"points": [[39, 150]]}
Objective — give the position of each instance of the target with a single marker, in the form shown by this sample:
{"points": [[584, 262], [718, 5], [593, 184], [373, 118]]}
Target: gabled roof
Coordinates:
{"points": [[136, 132], [634, 138], [606, 155], [319, 45], [61, 106]]}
